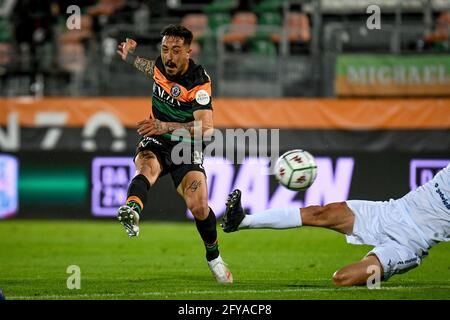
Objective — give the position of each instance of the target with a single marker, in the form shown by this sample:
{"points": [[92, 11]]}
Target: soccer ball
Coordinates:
{"points": [[296, 170]]}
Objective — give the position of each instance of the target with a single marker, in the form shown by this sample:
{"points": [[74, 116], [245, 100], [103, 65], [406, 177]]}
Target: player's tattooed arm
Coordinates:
{"points": [[173, 126], [202, 127], [154, 127], [144, 65], [127, 51]]}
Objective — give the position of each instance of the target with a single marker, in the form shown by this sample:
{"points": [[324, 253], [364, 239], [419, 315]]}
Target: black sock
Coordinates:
{"points": [[137, 192], [208, 231]]}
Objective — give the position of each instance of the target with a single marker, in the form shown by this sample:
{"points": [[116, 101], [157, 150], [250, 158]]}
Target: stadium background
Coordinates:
{"points": [[373, 105]]}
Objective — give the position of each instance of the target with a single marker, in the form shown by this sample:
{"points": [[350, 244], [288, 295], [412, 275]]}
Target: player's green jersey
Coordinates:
{"points": [[176, 99]]}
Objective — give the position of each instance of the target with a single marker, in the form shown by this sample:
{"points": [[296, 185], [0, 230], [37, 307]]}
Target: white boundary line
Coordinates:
{"points": [[197, 292]]}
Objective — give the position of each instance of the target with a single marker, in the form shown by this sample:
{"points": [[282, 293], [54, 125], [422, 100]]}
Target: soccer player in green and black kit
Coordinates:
{"points": [[181, 100]]}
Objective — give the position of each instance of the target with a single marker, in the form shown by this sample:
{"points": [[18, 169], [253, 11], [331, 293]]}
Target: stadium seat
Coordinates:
{"points": [[6, 54], [263, 46], [106, 7], [217, 20], [268, 24], [270, 19], [207, 41], [243, 26], [5, 31], [269, 5], [196, 48], [296, 24], [71, 57], [221, 6], [197, 23], [442, 29]]}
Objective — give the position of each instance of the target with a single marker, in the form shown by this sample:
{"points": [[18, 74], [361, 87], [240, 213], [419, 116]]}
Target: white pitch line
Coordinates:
{"points": [[175, 293]]}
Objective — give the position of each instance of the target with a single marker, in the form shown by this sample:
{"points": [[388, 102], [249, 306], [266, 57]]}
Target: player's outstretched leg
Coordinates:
{"points": [[234, 214], [129, 218], [148, 170], [357, 274], [335, 216], [235, 217], [128, 214]]}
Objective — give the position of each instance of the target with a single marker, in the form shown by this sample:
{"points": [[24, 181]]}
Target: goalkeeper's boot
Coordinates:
{"points": [[220, 270], [129, 218], [234, 214]]}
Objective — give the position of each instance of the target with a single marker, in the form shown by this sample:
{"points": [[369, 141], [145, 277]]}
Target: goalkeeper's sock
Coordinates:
{"points": [[137, 193], [279, 218]]}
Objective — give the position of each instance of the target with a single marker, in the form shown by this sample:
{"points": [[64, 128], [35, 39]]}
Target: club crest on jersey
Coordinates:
{"points": [[164, 96], [175, 91]]}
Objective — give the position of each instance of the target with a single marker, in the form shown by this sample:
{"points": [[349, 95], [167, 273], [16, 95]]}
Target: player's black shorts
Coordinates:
{"points": [[177, 167]]}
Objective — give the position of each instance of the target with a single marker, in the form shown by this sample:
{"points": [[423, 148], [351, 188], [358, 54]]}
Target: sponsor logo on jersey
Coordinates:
{"points": [[163, 96], [202, 97], [445, 201], [148, 140]]}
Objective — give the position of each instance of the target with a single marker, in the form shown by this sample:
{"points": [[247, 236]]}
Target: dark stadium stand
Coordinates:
{"points": [[258, 36]]}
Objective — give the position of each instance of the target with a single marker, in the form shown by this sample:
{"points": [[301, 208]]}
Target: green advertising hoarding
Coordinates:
{"points": [[391, 75]]}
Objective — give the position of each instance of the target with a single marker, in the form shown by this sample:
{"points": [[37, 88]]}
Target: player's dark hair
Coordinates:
{"points": [[176, 30]]}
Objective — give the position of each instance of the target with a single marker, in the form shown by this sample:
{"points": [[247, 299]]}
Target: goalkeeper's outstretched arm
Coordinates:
{"points": [[126, 51]]}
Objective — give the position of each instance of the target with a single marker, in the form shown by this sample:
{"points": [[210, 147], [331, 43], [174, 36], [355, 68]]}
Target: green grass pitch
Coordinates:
{"points": [[167, 261]]}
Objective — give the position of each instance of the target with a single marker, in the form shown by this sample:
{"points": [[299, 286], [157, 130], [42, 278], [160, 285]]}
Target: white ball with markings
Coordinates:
{"points": [[296, 169]]}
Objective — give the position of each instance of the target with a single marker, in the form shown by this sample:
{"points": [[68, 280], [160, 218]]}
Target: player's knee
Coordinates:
{"points": [[325, 214], [199, 208], [148, 165], [335, 206], [320, 216]]}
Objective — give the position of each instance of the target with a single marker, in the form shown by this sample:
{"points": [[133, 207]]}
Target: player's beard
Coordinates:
{"points": [[178, 72]]}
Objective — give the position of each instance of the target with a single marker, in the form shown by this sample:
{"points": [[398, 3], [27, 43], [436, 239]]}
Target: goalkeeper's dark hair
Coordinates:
{"points": [[177, 30]]}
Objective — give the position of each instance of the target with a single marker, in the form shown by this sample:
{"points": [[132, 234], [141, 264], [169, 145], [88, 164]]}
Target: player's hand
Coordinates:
{"points": [[125, 47], [151, 127]]}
